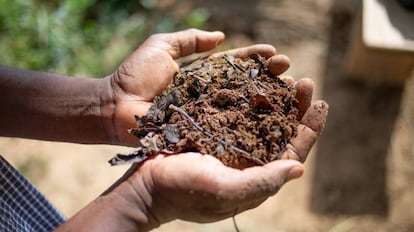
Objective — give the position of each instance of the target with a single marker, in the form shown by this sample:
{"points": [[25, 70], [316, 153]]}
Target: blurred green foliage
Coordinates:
{"points": [[82, 37], [34, 167]]}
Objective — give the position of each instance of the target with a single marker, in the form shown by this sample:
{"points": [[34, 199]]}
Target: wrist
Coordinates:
{"points": [[117, 110], [126, 208], [135, 201], [107, 110]]}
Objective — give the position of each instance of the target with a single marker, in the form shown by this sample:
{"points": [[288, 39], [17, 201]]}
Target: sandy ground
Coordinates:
{"points": [[360, 176]]}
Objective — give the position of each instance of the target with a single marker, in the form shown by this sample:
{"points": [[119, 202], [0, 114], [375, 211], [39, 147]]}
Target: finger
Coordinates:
{"points": [[264, 50], [315, 116], [311, 125], [255, 183], [183, 43], [304, 91], [288, 80], [278, 64]]}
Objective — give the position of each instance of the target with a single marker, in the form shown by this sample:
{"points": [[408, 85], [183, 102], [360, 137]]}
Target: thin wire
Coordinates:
{"points": [[234, 221]]}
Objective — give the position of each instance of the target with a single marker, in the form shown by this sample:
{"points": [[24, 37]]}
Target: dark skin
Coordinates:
{"points": [[187, 186]]}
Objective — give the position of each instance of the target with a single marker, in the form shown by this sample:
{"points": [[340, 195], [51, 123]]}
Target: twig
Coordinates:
{"points": [[234, 220], [263, 86], [186, 116], [250, 77], [244, 153], [235, 66], [257, 89], [247, 155], [200, 79]]}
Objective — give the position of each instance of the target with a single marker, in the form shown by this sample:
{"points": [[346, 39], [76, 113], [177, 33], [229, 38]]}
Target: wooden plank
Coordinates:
{"points": [[378, 53], [387, 25]]}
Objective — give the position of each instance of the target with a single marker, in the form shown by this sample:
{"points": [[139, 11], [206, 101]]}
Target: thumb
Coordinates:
{"points": [[287, 169], [259, 182], [184, 43]]}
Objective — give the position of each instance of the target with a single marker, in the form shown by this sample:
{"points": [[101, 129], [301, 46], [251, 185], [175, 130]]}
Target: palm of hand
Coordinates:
{"points": [[148, 71], [205, 190], [144, 75], [200, 188]]}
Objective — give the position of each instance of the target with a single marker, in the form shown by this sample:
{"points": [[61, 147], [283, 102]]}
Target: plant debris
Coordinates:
{"points": [[231, 108]]}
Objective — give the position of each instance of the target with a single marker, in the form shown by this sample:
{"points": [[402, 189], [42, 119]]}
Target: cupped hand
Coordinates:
{"points": [[196, 187], [199, 187], [150, 69], [188, 186]]}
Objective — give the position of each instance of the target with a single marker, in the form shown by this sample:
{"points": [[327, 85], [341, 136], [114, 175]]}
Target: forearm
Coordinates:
{"points": [[54, 107], [124, 209]]}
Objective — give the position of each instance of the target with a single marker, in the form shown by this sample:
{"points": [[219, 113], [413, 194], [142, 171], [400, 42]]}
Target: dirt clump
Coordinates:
{"points": [[231, 108]]}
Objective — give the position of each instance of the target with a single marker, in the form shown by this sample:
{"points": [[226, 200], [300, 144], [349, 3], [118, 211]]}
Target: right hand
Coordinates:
{"points": [[199, 188]]}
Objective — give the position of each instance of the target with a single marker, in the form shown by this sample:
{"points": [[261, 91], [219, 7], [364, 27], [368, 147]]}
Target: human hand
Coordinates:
{"points": [[196, 187], [193, 186], [200, 188], [150, 69]]}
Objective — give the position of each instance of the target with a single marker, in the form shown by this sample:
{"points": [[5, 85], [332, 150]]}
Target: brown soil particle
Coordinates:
{"points": [[231, 108]]}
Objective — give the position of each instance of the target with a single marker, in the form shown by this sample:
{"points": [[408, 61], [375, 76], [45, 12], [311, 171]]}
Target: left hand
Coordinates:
{"points": [[150, 69]]}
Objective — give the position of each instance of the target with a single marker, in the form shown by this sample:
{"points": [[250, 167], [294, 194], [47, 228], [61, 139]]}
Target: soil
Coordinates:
{"points": [[231, 108], [359, 177]]}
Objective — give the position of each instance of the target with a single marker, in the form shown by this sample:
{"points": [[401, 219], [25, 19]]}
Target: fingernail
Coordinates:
{"points": [[295, 172]]}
